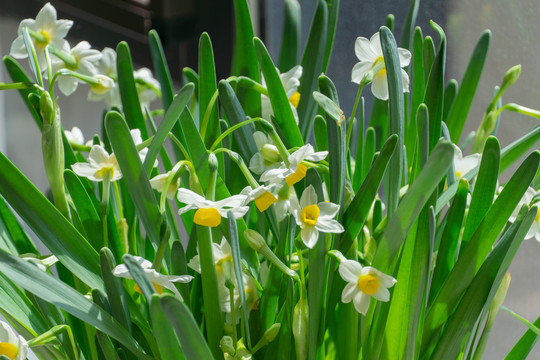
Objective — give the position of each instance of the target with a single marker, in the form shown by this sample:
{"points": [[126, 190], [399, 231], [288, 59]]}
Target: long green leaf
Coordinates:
{"points": [[411, 205], [524, 346], [128, 90], [290, 41], [134, 175], [460, 109], [167, 341], [207, 88], [169, 121], [312, 64], [280, 103], [482, 289], [397, 115], [192, 341], [113, 287], [61, 295], [13, 230], [333, 10], [518, 148], [162, 69], [57, 234]]}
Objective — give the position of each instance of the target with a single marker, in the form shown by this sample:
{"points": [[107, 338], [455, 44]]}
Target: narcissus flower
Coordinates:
{"points": [[262, 196], [75, 136], [147, 87], [12, 345], [99, 164], [291, 82], [47, 28], [159, 281], [370, 54], [296, 170], [137, 139], [363, 283], [268, 156], [462, 165], [86, 60], [158, 183], [313, 217], [107, 67], [209, 213]]}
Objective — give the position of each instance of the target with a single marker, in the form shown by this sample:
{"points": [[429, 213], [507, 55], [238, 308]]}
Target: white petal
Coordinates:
{"points": [[404, 57], [18, 50], [189, 197], [379, 86], [291, 80], [98, 155], [85, 170], [256, 164], [405, 80], [195, 264], [382, 294], [310, 235], [67, 85], [274, 175], [309, 197], [360, 70], [363, 50], [328, 210], [122, 271], [317, 156], [349, 291], [375, 44], [350, 270], [260, 139], [230, 202], [329, 226], [180, 278], [299, 155], [361, 303], [238, 212]]}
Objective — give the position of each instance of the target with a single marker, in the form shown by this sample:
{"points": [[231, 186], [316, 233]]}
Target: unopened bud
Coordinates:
{"points": [[300, 328], [104, 84], [47, 108], [213, 162], [270, 154], [255, 240], [227, 345], [511, 76], [271, 333]]}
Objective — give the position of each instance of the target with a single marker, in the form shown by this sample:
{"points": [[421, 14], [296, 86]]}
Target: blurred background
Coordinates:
{"points": [[104, 23]]}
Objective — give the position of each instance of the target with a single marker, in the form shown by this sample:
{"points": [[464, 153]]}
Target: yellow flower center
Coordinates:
{"points": [[301, 170], [207, 217], [310, 214], [159, 288], [368, 284], [537, 215], [295, 99], [107, 170], [8, 350], [264, 201], [458, 174], [46, 40]]}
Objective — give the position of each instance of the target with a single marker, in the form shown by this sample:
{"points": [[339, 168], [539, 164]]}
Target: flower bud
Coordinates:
{"points": [[104, 84], [271, 333], [213, 162], [300, 328], [511, 76], [227, 345], [47, 108], [270, 154], [255, 240]]}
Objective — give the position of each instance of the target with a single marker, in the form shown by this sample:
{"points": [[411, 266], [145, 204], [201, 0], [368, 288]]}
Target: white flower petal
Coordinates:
{"points": [[195, 263], [359, 70], [260, 139], [309, 197], [382, 294], [349, 292], [122, 271], [363, 50], [350, 270], [405, 80], [375, 44], [329, 226], [191, 198], [404, 57], [309, 235], [361, 303], [328, 210], [379, 86]]}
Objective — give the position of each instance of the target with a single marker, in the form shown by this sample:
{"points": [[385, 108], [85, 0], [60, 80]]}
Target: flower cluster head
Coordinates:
{"points": [[363, 283], [296, 170], [370, 54], [12, 346], [209, 213], [313, 217], [159, 280], [48, 31]]}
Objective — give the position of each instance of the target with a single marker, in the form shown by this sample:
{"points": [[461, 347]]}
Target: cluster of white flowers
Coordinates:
{"points": [[77, 64]]}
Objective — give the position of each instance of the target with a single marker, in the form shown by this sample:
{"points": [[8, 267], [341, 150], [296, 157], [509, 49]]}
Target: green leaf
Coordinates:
{"points": [[17, 74], [61, 295], [245, 60], [484, 188], [128, 90], [207, 89], [434, 96], [418, 85], [50, 226], [85, 209], [320, 134], [280, 103], [167, 341], [511, 153], [411, 205], [397, 115], [329, 106], [524, 346], [358, 210], [235, 115], [473, 255], [162, 69], [290, 41], [527, 323], [113, 287], [193, 343], [333, 10], [169, 121], [139, 276], [482, 289], [460, 109], [134, 175], [408, 27], [450, 93], [312, 65], [12, 230]]}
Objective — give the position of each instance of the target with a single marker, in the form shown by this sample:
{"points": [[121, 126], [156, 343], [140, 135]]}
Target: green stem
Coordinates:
{"points": [[207, 113], [230, 286], [104, 206], [230, 130], [32, 54], [19, 86], [241, 164], [69, 60], [180, 146], [353, 114]]}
